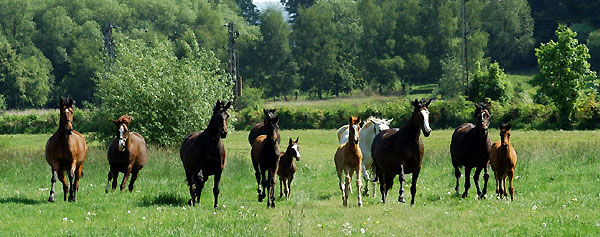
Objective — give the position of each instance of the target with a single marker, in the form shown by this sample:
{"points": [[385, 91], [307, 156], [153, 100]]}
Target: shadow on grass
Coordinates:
{"points": [[163, 199], [20, 200]]}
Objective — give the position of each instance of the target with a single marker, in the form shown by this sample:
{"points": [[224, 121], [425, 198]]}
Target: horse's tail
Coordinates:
{"points": [[374, 172]]}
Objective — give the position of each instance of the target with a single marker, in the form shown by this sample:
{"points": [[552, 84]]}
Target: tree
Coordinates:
{"points": [[249, 11], [293, 6], [489, 82], [167, 97], [564, 70], [450, 84], [593, 43], [510, 28]]}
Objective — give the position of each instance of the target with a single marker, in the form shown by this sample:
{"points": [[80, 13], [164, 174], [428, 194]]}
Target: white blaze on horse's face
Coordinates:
{"points": [[122, 139], [426, 128], [380, 127], [295, 148], [356, 130]]}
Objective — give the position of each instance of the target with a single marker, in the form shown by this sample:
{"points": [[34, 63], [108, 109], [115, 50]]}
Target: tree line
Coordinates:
{"points": [[53, 48]]}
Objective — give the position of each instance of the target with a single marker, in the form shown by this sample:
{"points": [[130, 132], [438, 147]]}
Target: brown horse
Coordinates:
{"points": [[265, 158], [348, 159], [260, 129], [287, 168], [400, 151], [503, 158], [127, 153], [470, 147], [203, 154], [66, 151]]}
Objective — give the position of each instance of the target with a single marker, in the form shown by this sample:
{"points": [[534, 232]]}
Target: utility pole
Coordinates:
{"points": [[233, 60], [465, 59], [109, 44]]}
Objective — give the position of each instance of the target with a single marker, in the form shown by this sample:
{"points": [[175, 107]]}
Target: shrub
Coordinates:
{"points": [[489, 82], [167, 97], [251, 98]]}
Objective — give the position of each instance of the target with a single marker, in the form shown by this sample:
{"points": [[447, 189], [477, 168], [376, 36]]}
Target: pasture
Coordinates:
{"points": [[557, 192]]}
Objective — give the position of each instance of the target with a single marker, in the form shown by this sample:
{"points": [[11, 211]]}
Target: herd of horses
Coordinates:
{"points": [[373, 151]]}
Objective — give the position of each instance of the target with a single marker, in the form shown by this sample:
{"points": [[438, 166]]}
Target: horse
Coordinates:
{"points": [[203, 154], [371, 127], [503, 159], [348, 159], [400, 151], [66, 151], [470, 147], [260, 129], [287, 168], [265, 158], [127, 153]]}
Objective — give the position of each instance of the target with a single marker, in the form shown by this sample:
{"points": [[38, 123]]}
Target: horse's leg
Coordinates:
{"points": [[281, 183], [78, 173], [347, 181], [110, 173], [134, 175], [71, 180], [200, 185], [511, 174], [63, 180], [503, 193], [192, 184], [359, 186], [498, 182], [264, 183], [401, 178], [257, 175], [367, 179], [272, 187], [457, 175], [486, 176], [216, 190], [114, 179], [342, 185], [413, 186], [467, 181], [126, 176], [289, 187], [373, 180], [51, 198], [476, 180]]}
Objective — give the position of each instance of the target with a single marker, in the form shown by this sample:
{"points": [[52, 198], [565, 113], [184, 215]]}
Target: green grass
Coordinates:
{"points": [[557, 172], [524, 80]]}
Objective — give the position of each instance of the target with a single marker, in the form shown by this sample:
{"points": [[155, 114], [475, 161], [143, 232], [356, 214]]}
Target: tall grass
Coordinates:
{"points": [[556, 193]]}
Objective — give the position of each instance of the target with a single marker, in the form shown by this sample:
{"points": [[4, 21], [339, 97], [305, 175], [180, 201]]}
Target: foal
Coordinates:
{"points": [[503, 159], [127, 153], [287, 168], [348, 159]]}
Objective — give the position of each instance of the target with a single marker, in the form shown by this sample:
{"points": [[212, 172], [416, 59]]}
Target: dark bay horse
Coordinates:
{"points": [[260, 129], [503, 159], [265, 158], [66, 151], [203, 154], [127, 153], [470, 147], [287, 168], [400, 151]]}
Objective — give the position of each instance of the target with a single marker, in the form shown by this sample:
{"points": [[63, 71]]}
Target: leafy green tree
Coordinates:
{"points": [[316, 49], [293, 6], [450, 84], [593, 43], [510, 28], [249, 11], [564, 70], [167, 97], [489, 82]]}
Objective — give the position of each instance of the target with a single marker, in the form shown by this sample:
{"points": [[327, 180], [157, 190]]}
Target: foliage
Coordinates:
{"points": [[593, 44], [249, 11], [450, 84], [251, 98], [564, 71], [489, 82], [294, 6], [167, 97], [2, 104]]}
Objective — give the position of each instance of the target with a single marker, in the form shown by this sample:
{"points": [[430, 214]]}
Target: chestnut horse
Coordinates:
{"points": [[127, 153], [348, 159], [470, 147], [265, 158], [203, 154], [400, 152], [66, 151], [260, 129], [287, 168], [503, 158]]}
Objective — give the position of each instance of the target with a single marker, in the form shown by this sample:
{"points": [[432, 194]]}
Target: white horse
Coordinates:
{"points": [[371, 127]]}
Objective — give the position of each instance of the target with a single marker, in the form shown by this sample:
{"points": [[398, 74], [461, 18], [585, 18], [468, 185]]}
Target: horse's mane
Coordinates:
{"points": [[372, 120], [124, 119]]}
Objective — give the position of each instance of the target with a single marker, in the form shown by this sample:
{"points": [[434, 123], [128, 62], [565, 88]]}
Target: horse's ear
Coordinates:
{"points": [[71, 102], [227, 105], [291, 141], [265, 111], [297, 139], [61, 102], [217, 106], [505, 126], [358, 120], [428, 102], [415, 103], [114, 121]]}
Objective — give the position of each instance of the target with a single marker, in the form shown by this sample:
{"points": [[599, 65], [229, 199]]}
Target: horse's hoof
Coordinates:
{"points": [[191, 202], [482, 196], [360, 204], [51, 199], [401, 199], [464, 195]]}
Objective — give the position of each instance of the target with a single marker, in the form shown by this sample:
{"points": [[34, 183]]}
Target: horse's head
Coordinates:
{"points": [[354, 126], [482, 115], [293, 149], [66, 114], [421, 115], [122, 130], [381, 124], [220, 116], [272, 125], [505, 135], [269, 114]]}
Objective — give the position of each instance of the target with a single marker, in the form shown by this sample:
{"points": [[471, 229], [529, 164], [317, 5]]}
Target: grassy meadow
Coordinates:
{"points": [[557, 192]]}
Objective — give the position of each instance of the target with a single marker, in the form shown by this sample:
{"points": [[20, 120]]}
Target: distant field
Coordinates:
{"points": [[557, 193]]}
